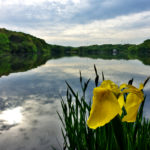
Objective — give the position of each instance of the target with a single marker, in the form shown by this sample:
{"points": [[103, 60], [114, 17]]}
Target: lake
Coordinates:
{"points": [[30, 98]]}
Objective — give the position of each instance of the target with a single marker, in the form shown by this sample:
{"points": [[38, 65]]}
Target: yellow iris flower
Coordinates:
{"points": [[105, 104], [108, 100], [133, 101]]}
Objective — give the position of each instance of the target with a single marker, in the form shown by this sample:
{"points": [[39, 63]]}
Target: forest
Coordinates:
{"points": [[12, 42]]}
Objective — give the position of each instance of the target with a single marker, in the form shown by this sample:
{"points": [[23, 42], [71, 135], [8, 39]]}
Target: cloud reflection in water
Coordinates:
{"points": [[12, 116], [34, 97]]}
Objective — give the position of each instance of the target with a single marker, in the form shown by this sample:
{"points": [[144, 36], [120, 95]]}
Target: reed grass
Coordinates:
{"points": [[115, 135]]}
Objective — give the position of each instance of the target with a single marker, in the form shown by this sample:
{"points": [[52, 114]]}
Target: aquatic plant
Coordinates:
{"points": [[108, 101], [113, 121]]}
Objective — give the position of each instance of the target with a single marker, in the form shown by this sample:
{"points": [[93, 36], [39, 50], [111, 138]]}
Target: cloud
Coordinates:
{"points": [[78, 22], [106, 9], [70, 11], [30, 2], [132, 28], [122, 29]]}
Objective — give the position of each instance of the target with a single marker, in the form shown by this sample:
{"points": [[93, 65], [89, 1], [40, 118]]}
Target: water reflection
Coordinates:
{"points": [[11, 116], [33, 96], [20, 63]]}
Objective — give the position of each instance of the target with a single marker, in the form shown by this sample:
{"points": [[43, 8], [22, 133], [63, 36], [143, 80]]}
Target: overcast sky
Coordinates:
{"points": [[79, 22]]}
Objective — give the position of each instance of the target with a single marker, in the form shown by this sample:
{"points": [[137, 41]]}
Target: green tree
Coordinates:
{"points": [[4, 42]]}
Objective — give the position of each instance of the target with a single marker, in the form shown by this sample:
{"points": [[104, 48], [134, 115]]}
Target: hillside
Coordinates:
{"points": [[141, 49], [21, 43], [18, 42]]}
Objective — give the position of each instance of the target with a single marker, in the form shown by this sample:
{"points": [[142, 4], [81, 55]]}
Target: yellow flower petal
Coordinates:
{"points": [[141, 86], [121, 100], [132, 104], [124, 85], [104, 108], [133, 90], [133, 101], [108, 84]]}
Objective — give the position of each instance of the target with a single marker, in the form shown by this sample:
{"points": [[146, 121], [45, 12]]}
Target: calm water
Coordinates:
{"points": [[29, 100]]}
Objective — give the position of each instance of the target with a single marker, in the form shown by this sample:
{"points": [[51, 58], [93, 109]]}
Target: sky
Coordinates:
{"points": [[79, 22]]}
